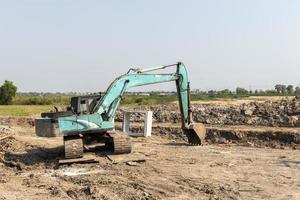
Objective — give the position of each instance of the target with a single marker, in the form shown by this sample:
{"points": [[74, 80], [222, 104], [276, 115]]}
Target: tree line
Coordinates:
{"points": [[279, 90], [9, 95]]}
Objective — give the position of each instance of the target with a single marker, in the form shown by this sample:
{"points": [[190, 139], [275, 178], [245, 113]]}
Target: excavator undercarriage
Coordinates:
{"points": [[115, 142], [112, 142]]}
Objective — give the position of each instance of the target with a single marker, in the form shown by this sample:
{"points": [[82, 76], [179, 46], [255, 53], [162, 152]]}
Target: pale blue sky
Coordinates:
{"points": [[71, 45]]}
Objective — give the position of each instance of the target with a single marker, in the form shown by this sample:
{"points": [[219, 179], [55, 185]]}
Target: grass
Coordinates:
{"points": [[41, 100], [157, 99], [24, 110], [147, 100]]}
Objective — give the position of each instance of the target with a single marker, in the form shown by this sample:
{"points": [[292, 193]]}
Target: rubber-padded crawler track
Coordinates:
{"points": [[73, 148]]}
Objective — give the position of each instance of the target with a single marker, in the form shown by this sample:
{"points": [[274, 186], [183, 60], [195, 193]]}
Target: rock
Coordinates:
{"points": [[293, 121], [247, 112], [222, 141], [132, 163], [5, 129]]}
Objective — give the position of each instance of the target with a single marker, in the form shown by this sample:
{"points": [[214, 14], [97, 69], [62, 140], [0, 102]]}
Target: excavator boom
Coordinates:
{"points": [[134, 78]]}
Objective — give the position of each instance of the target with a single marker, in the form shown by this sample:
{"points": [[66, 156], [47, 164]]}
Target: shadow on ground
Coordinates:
{"points": [[35, 156]]}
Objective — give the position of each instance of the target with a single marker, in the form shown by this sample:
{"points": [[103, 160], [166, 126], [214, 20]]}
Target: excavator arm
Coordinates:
{"points": [[103, 113], [109, 104]]}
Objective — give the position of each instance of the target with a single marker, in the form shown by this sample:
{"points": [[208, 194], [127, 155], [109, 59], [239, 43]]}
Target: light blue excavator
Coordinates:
{"points": [[95, 125]]}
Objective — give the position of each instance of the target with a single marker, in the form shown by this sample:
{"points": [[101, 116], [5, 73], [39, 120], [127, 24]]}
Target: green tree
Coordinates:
{"points": [[281, 89], [297, 90], [284, 90], [278, 88], [224, 93], [7, 92], [211, 93], [241, 91], [290, 89]]}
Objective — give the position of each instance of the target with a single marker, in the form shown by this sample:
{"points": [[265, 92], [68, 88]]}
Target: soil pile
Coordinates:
{"points": [[17, 121], [284, 113]]}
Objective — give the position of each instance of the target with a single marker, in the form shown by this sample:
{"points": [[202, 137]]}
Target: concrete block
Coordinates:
{"points": [[147, 123]]}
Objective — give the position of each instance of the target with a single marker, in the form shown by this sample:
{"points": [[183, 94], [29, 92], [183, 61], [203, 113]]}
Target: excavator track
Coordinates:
{"points": [[121, 143], [73, 147]]}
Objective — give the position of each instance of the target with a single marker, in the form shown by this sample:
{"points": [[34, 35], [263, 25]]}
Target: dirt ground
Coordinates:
{"points": [[158, 168]]}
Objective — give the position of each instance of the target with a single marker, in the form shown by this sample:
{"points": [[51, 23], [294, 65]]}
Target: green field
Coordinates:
{"points": [[24, 110]]}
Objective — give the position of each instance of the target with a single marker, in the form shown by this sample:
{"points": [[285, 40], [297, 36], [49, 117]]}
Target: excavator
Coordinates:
{"points": [[89, 122]]}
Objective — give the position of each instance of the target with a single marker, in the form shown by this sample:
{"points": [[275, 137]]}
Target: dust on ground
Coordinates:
{"points": [[170, 170]]}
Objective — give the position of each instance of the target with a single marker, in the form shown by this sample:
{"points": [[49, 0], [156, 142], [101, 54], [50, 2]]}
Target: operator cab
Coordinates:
{"points": [[84, 104]]}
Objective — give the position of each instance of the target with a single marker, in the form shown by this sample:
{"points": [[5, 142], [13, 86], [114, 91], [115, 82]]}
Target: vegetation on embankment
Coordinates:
{"points": [[9, 95], [150, 98], [41, 100]]}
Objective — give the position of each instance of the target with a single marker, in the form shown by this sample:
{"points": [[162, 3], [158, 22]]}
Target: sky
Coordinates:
{"points": [[73, 45]]}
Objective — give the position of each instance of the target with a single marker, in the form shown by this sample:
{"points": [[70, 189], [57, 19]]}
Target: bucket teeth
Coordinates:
{"points": [[193, 139]]}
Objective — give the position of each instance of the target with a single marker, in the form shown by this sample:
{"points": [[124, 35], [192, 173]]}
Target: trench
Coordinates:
{"points": [[271, 137]]}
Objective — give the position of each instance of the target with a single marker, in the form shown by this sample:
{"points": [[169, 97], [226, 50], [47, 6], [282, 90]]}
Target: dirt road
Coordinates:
{"points": [[171, 171]]}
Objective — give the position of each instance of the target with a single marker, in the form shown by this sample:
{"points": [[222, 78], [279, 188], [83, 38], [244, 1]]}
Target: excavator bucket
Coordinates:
{"points": [[196, 133]]}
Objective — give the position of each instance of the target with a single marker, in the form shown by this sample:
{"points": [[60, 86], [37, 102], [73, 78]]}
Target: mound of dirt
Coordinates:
{"points": [[284, 113], [17, 121], [4, 130], [20, 155], [10, 144]]}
